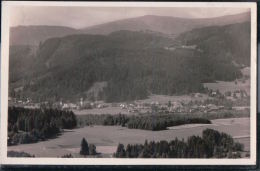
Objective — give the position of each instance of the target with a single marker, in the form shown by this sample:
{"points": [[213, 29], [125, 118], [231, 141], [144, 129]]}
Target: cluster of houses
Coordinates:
{"points": [[154, 106], [81, 105], [170, 107], [205, 108], [190, 47], [237, 94], [27, 103]]}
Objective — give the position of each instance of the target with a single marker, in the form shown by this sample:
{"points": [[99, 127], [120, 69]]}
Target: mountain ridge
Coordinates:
{"points": [[33, 35]]}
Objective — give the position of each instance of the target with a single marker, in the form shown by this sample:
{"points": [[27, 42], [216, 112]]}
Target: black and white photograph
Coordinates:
{"points": [[106, 82]]}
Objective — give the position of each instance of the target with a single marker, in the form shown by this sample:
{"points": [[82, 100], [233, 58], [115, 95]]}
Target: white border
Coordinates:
{"points": [[116, 161]]}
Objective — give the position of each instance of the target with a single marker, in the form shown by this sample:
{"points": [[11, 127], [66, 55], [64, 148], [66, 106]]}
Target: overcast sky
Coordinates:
{"points": [[80, 17]]}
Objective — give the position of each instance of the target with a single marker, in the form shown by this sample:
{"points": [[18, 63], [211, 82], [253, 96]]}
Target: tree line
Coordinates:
{"points": [[212, 144], [18, 154], [154, 122], [157, 123], [31, 125], [123, 119]]}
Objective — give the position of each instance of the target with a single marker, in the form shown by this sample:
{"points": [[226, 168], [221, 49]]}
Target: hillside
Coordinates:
{"points": [[21, 60], [173, 26], [221, 42], [135, 64]]}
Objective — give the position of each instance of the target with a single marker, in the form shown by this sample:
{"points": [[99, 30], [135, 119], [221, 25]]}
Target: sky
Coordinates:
{"points": [[81, 17]]}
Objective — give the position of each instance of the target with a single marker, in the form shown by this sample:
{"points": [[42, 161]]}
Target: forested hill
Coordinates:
{"points": [[230, 41], [134, 64]]}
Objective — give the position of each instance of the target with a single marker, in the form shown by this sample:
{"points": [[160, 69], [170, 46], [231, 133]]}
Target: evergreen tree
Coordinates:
{"points": [[120, 152], [84, 147]]}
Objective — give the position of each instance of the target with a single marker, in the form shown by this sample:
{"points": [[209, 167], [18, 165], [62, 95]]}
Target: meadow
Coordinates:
{"points": [[240, 84], [225, 86]]}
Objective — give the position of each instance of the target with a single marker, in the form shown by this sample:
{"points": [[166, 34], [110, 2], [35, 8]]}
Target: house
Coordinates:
{"points": [[140, 106], [28, 100], [100, 106], [72, 106], [214, 93], [241, 108], [81, 102], [198, 95], [155, 103], [93, 105], [175, 107], [170, 48], [163, 108], [212, 107], [239, 94], [69, 106], [65, 106], [132, 110], [189, 46], [123, 106]]}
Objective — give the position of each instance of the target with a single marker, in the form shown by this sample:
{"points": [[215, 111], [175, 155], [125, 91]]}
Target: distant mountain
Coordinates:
{"points": [[33, 35], [133, 64], [164, 24]]}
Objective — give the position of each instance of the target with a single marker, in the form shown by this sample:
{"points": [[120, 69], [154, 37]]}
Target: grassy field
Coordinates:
{"points": [[224, 86], [108, 110], [162, 99], [106, 138]]}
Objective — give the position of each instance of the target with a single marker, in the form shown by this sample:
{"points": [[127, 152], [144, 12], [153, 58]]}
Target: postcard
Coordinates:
{"points": [[128, 83]]}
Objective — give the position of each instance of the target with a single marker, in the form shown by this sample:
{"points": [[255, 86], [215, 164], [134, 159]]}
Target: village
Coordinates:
{"points": [[214, 101]]}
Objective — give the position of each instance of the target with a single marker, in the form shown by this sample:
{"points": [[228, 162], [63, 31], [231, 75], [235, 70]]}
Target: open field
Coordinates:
{"points": [[165, 99], [108, 110], [224, 86], [106, 138]]}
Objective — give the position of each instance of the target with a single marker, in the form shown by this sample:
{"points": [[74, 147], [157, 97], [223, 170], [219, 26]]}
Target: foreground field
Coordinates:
{"points": [[106, 138]]}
